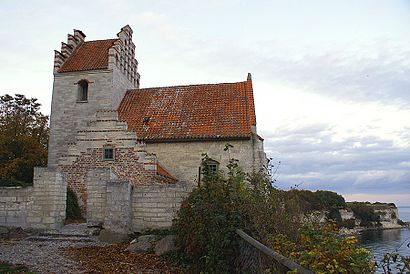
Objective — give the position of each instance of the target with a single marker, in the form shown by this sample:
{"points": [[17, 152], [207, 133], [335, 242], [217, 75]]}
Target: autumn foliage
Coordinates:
{"points": [[208, 218], [23, 139]]}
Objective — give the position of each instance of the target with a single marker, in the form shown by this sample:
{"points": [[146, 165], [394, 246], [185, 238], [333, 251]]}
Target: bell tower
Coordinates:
{"points": [[89, 76]]}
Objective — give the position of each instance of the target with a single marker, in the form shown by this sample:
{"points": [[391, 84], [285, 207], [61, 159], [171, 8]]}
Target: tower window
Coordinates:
{"points": [[108, 153], [82, 91]]}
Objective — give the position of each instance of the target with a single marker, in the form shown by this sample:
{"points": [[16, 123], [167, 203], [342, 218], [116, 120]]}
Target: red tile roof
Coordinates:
{"points": [[90, 55], [164, 173], [212, 111]]}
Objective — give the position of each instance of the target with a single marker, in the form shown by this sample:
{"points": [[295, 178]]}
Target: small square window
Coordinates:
{"points": [[213, 167], [108, 153]]}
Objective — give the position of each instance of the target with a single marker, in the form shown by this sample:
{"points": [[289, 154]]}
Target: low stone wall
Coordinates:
{"points": [[15, 203], [122, 207], [155, 206], [40, 206]]}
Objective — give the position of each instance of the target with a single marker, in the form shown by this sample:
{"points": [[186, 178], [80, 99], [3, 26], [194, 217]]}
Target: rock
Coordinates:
{"points": [[142, 243], [93, 231], [113, 237], [165, 245], [17, 232], [4, 230]]}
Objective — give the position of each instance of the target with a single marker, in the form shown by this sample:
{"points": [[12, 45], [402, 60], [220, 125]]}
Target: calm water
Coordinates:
{"points": [[387, 241]]}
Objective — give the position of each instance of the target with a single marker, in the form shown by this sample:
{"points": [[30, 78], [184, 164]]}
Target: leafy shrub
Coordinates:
{"points": [[321, 250], [350, 223], [9, 182], [365, 212], [73, 209], [207, 221], [318, 200], [334, 214]]}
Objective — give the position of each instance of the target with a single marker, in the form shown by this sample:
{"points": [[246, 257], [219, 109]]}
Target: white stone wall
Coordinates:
{"points": [[15, 203], [119, 206], [41, 206], [155, 206], [68, 115], [118, 217], [97, 195], [182, 159]]}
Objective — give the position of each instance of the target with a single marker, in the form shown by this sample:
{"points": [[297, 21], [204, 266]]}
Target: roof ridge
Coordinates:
{"points": [[100, 40], [194, 85]]}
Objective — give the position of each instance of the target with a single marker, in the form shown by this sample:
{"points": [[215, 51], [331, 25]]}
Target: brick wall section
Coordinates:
{"points": [[154, 206], [131, 161], [126, 166], [118, 217], [41, 206]]}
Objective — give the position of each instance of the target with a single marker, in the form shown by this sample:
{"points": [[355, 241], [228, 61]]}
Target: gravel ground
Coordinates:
{"points": [[41, 257]]}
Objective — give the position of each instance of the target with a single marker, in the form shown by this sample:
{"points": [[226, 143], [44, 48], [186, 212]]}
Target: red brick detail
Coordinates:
{"points": [[211, 111], [125, 166], [92, 55]]}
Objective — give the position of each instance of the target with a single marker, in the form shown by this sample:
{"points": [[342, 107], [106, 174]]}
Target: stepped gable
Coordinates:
{"points": [[90, 55], [210, 111]]}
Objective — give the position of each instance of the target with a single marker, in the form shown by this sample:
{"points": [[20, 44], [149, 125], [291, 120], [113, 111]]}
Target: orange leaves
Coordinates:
{"points": [[114, 259]]}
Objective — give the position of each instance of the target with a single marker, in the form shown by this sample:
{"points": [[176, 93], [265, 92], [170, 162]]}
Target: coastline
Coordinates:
{"points": [[358, 230]]}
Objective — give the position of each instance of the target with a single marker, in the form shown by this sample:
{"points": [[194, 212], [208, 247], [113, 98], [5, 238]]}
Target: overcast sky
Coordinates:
{"points": [[331, 78]]}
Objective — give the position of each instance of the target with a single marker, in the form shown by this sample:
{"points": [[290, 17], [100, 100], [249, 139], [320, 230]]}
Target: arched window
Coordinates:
{"points": [[82, 91]]}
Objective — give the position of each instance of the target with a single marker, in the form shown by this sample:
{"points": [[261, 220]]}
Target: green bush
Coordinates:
{"points": [[365, 212], [350, 223], [318, 200], [10, 182], [334, 214], [207, 221], [73, 209]]}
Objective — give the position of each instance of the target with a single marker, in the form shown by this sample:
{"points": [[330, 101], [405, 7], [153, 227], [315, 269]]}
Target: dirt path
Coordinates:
{"points": [[73, 250]]}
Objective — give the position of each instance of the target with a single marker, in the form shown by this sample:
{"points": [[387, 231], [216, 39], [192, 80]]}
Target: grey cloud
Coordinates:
{"points": [[338, 166]]}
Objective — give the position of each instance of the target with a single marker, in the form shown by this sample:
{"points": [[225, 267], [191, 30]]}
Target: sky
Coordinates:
{"points": [[331, 78]]}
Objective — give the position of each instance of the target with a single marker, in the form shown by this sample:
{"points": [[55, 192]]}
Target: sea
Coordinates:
{"points": [[380, 242]]}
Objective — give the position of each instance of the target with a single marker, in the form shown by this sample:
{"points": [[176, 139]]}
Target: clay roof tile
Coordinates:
{"points": [[210, 111], [91, 55]]}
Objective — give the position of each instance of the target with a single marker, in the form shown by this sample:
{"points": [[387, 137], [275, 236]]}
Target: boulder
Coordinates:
{"points": [[165, 245], [113, 237], [143, 243], [4, 230]]}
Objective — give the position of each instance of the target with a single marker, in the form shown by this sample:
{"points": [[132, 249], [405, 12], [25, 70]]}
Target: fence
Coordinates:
{"points": [[258, 258]]}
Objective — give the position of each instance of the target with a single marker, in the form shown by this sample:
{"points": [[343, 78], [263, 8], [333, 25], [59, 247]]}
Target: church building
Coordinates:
{"points": [[104, 128]]}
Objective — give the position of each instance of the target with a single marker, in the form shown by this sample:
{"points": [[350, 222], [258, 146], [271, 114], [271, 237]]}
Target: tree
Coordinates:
{"points": [[23, 138]]}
